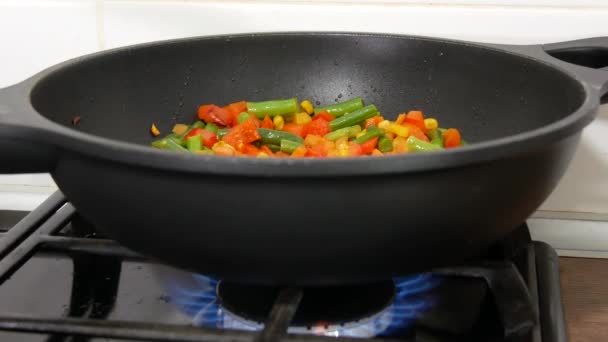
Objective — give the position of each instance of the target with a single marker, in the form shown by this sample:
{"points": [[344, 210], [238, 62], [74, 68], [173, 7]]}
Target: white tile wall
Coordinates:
{"points": [[35, 34]]}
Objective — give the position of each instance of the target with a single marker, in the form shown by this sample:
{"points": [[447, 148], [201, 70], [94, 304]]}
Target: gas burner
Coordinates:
{"points": [[354, 310], [321, 306]]}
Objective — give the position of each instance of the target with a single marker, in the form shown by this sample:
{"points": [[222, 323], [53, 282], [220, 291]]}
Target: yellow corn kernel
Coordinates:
{"points": [[278, 122], [342, 147], [376, 152], [222, 146], [384, 124], [307, 106], [399, 130], [205, 152], [263, 155], [312, 140], [180, 129], [155, 132], [361, 133], [431, 123], [342, 141], [302, 119], [400, 145]]}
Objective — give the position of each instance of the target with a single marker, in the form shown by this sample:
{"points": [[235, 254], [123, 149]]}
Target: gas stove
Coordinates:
{"points": [[61, 281]]}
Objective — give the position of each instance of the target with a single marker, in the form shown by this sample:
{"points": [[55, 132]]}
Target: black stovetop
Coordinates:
{"points": [[61, 281]]}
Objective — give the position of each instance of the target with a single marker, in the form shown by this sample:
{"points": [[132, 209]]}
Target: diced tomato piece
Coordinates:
{"points": [[242, 134], [266, 150], [451, 138], [215, 114], [281, 154], [209, 138], [416, 118], [256, 121], [250, 150], [235, 109], [369, 146], [267, 123], [323, 115], [416, 131], [373, 121], [294, 128], [318, 127]]}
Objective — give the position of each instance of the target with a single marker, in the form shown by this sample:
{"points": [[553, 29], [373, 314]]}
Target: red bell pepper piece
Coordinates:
{"points": [[318, 127], [451, 138], [242, 134], [369, 146], [215, 114], [294, 128], [323, 115], [209, 138], [267, 123]]}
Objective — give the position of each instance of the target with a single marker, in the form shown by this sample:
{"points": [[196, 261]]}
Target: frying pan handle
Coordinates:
{"points": [[585, 57], [21, 148]]}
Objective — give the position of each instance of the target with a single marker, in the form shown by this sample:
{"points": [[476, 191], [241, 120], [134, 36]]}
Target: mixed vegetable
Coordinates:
{"points": [[284, 128]]}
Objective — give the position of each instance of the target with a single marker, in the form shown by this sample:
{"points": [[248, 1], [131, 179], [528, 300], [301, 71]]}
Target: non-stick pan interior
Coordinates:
{"points": [[488, 94]]}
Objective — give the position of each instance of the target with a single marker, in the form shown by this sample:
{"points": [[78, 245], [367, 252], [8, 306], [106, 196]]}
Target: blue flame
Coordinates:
{"points": [[411, 299]]}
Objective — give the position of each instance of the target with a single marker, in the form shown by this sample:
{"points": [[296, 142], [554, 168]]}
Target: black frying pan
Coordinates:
{"points": [[307, 221]]}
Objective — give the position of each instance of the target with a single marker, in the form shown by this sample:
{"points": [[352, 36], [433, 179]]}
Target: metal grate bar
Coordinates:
{"points": [[30, 222], [147, 331], [11, 261], [283, 311], [102, 247]]}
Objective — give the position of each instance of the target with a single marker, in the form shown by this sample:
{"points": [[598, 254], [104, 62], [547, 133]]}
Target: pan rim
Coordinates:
{"points": [[93, 146]]}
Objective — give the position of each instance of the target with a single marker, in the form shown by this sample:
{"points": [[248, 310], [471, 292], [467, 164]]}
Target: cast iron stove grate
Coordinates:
{"points": [[44, 231]]}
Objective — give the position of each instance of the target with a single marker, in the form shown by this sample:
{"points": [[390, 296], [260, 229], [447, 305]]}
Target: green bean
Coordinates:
{"points": [[222, 131], [198, 124], [242, 117], [371, 133], [274, 148], [211, 127], [433, 134], [416, 145], [168, 143], [435, 137], [353, 118], [343, 132], [385, 144], [342, 108], [274, 137], [194, 143], [288, 146], [273, 108]]}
